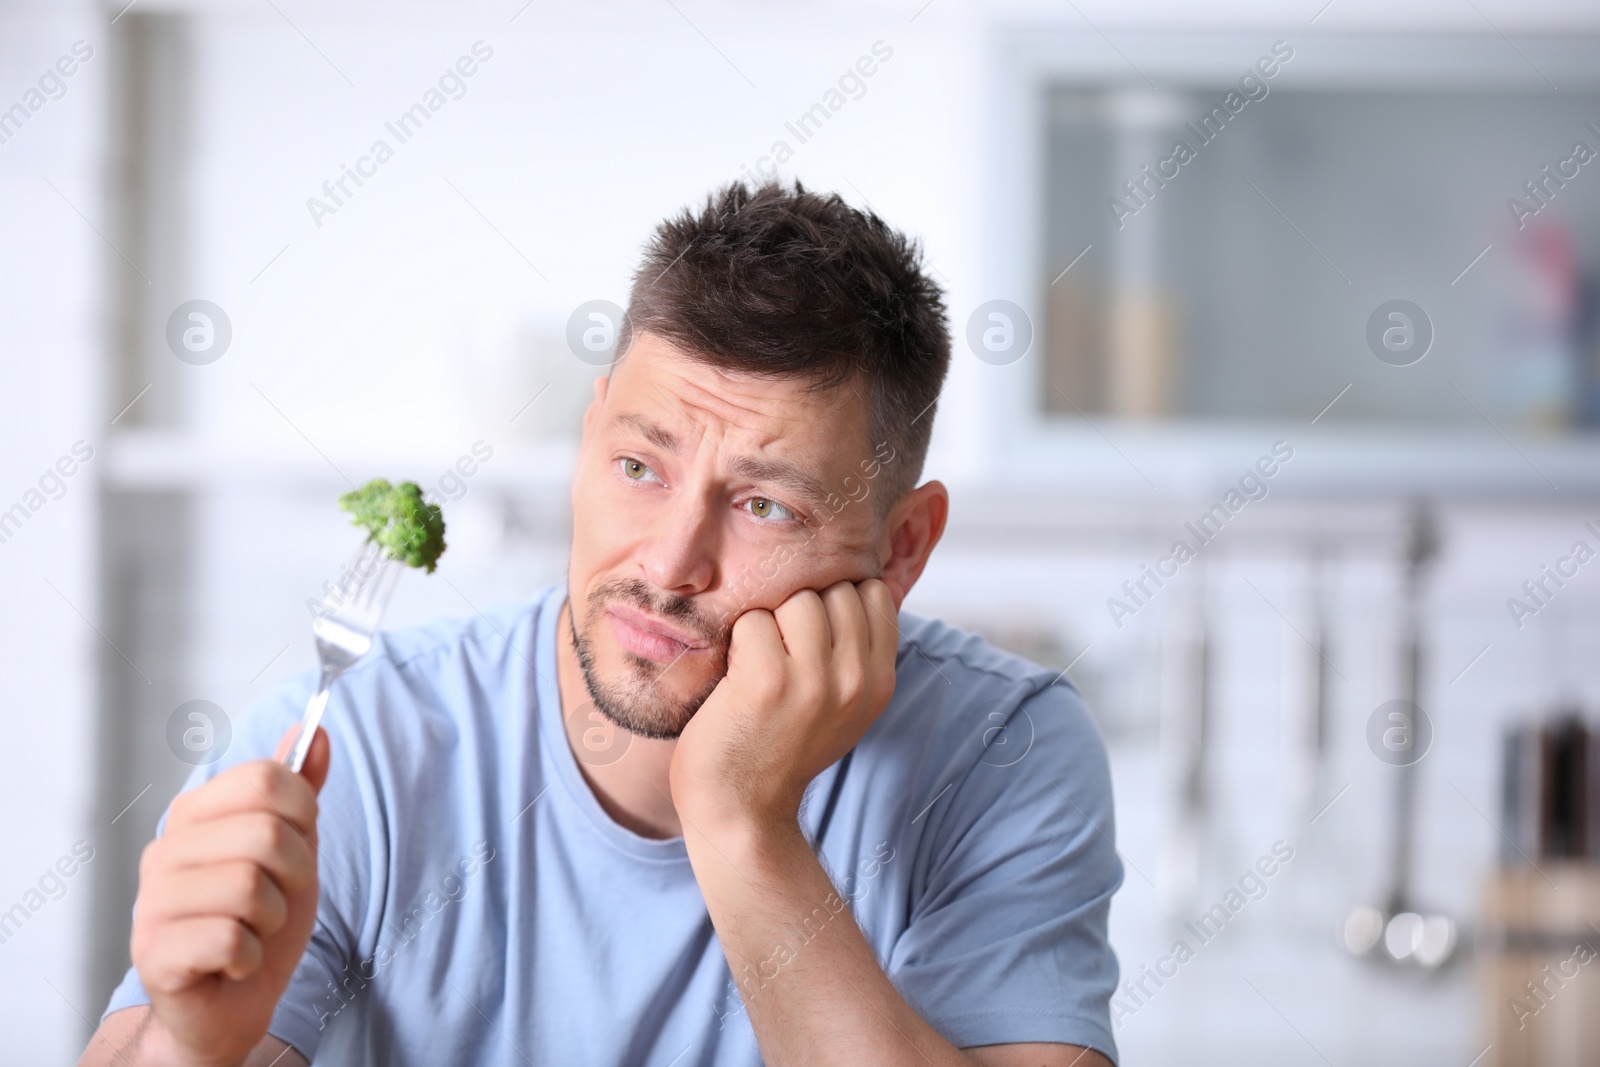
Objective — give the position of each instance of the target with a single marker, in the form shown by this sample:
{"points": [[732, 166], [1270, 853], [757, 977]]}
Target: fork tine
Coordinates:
{"points": [[354, 576], [369, 561], [374, 593]]}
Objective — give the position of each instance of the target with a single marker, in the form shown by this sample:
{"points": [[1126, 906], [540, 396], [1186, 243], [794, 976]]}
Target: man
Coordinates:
{"points": [[714, 801]]}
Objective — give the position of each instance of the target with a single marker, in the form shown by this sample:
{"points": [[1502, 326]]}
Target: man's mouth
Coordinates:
{"points": [[652, 638]]}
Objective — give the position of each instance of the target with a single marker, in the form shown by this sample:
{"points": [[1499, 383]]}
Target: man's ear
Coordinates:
{"points": [[914, 526]]}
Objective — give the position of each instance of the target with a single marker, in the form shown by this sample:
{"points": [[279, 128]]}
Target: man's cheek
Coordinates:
{"points": [[767, 580], [769, 567], [604, 520]]}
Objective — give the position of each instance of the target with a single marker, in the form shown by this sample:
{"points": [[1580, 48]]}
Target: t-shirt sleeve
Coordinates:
{"points": [[1007, 939], [344, 866]]}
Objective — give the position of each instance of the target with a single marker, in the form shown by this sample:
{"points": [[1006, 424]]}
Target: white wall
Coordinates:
{"points": [[53, 275]]}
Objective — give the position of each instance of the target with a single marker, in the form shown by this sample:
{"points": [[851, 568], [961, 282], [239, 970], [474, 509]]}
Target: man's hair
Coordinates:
{"points": [[783, 282]]}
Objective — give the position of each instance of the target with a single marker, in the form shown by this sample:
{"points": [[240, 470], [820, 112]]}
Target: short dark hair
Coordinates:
{"points": [[784, 282]]}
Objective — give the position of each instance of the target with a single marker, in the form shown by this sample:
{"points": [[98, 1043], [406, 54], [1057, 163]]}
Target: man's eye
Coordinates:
{"points": [[638, 471], [762, 508]]}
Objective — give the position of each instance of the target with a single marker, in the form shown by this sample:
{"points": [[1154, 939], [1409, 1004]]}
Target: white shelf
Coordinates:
{"points": [[140, 459], [1155, 461]]}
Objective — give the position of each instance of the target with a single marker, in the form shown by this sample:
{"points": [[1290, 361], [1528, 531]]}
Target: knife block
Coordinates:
{"points": [[1539, 965]]}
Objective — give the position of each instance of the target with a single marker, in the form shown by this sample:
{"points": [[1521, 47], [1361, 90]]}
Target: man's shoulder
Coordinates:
{"points": [[960, 699], [498, 636], [453, 668], [932, 650]]}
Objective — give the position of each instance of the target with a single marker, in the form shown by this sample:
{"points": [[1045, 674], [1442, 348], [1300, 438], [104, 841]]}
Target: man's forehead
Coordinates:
{"points": [[677, 391]]}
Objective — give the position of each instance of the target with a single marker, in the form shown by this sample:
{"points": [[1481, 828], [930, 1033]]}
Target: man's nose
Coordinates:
{"points": [[680, 556]]}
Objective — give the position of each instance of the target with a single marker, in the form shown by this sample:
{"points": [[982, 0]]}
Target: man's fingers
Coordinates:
{"points": [[883, 618], [847, 619], [318, 756], [883, 622], [233, 890], [754, 634], [267, 841], [258, 786], [803, 622], [286, 743], [315, 769], [190, 950]]}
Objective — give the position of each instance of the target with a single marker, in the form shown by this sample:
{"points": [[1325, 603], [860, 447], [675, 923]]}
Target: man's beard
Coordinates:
{"points": [[636, 702]]}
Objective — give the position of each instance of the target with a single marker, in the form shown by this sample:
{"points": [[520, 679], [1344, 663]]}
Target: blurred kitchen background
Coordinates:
{"points": [[1373, 272]]}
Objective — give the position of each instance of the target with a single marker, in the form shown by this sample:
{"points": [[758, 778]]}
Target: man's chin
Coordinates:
{"points": [[645, 698]]}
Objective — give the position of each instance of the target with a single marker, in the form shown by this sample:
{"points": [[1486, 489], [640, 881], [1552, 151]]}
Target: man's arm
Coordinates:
{"points": [[126, 1037], [804, 683]]}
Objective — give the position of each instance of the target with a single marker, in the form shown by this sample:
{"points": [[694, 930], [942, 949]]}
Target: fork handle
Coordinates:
{"points": [[308, 727]]}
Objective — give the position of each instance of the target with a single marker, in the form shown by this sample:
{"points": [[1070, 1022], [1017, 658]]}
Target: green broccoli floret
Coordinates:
{"points": [[399, 520]]}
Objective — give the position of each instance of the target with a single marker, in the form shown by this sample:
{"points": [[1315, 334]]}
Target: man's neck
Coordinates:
{"points": [[632, 789]]}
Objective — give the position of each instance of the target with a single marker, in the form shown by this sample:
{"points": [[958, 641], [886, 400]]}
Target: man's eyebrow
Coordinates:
{"points": [[778, 472], [659, 436], [781, 473]]}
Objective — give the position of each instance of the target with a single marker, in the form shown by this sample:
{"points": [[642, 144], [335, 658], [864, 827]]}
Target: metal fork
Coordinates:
{"points": [[343, 628]]}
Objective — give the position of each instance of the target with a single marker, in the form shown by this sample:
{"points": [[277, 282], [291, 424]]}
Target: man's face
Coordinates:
{"points": [[699, 495]]}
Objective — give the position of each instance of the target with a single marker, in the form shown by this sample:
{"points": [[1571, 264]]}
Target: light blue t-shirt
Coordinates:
{"points": [[478, 906]]}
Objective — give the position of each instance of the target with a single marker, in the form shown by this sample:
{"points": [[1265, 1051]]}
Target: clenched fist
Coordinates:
{"points": [[227, 900], [805, 681]]}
